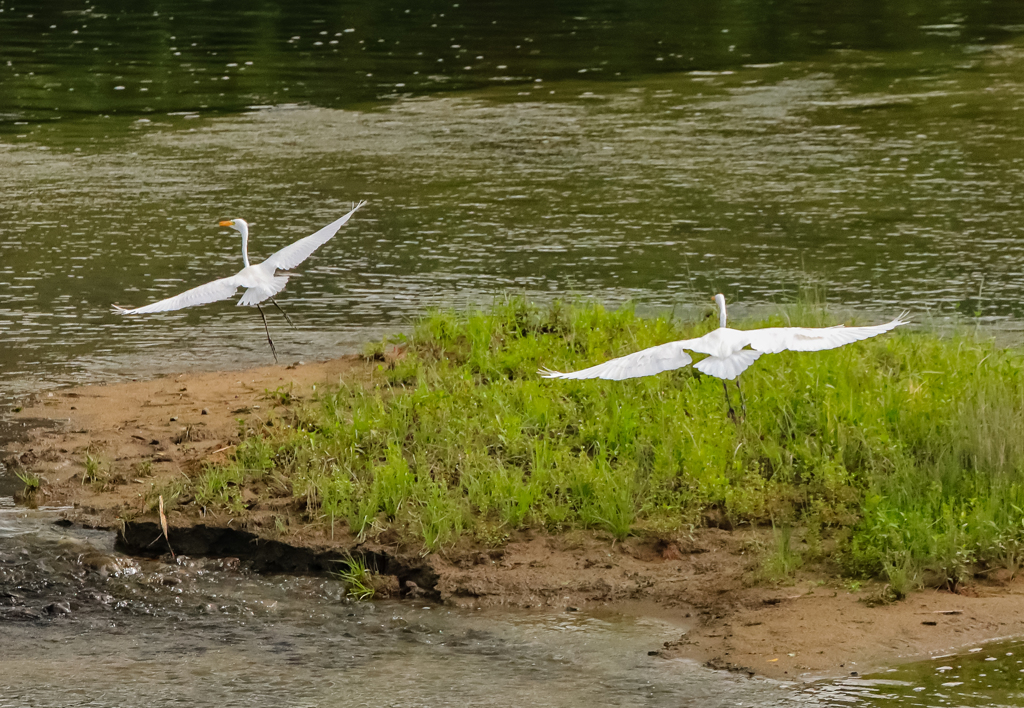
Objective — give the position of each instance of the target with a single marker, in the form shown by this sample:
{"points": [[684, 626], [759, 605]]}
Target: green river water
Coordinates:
{"points": [[653, 152], [650, 151]]}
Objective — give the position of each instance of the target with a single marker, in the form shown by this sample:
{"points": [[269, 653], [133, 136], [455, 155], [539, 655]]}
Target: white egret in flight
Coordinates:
{"points": [[260, 281], [728, 355]]}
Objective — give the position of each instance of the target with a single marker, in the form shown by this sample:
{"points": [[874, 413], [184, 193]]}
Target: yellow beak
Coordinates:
{"points": [[226, 223]]}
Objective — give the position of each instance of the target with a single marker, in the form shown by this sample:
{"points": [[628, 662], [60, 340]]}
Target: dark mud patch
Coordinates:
{"points": [[144, 538]]}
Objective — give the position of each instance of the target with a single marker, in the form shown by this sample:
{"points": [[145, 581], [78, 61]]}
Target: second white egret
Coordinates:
{"points": [[261, 281], [728, 355]]}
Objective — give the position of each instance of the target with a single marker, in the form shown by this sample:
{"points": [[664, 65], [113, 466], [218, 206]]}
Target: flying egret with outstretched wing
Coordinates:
{"points": [[728, 355], [260, 281]]}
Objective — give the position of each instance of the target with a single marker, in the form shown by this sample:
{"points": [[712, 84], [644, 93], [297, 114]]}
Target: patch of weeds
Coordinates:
{"points": [[220, 487], [175, 493], [358, 578], [32, 481], [490, 535], [812, 537], [782, 562], [903, 577], [374, 351], [281, 395], [93, 470], [441, 517]]}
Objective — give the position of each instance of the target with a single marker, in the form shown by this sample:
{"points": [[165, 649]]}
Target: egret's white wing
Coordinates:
{"points": [[645, 362], [811, 339], [291, 256], [210, 292]]}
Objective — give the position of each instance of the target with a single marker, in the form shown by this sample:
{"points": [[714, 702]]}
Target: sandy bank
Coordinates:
{"points": [[141, 436]]}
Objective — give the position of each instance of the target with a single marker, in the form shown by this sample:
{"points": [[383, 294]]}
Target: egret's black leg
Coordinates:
{"points": [[273, 349], [743, 402], [728, 401], [283, 313]]}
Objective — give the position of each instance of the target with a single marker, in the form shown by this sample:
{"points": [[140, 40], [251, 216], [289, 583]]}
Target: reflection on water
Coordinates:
{"points": [[589, 149], [177, 59]]}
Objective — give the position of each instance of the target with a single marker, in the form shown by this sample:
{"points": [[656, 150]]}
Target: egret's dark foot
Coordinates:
{"points": [[273, 349], [728, 402], [284, 313], [743, 402]]}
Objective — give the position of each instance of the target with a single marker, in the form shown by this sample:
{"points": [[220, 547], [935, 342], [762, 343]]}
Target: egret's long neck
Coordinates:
{"points": [[721, 312], [244, 229]]}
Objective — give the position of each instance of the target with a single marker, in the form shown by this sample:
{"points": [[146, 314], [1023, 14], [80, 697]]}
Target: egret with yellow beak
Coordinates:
{"points": [[260, 281]]}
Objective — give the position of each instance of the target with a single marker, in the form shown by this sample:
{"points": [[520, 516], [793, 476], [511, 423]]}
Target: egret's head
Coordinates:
{"points": [[236, 224]]}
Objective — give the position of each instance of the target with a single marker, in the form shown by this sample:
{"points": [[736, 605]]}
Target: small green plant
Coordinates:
{"points": [[173, 493], [281, 394], [93, 470], [31, 481], [783, 562], [902, 576], [358, 578], [374, 351]]}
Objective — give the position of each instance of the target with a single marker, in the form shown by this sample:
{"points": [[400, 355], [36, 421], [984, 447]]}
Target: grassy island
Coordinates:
{"points": [[900, 457]]}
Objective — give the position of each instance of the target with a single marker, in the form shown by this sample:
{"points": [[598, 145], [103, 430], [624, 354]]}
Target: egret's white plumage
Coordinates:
{"points": [[728, 355], [260, 281]]}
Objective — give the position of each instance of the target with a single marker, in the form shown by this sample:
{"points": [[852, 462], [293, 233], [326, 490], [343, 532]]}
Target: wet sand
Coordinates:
{"points": [[145, 434]]}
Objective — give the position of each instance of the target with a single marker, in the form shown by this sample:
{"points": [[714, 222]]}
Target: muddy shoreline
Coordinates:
{"points": [[105, 451]]}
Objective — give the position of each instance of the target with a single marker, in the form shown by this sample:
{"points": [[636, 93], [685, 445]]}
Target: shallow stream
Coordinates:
{"points": [[81, 624]]}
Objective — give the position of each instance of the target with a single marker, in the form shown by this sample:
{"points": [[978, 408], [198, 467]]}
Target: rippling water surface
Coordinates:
{"points": [[651, 152]]}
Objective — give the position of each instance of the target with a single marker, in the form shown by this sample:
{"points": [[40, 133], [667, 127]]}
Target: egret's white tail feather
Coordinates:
{"points": [[256, 295], [728, 367]]}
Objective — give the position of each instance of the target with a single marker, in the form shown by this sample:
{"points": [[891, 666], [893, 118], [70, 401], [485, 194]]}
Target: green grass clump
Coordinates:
{"points": [[32, 481], [358, 579], [781, 564], [907, 448]]}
